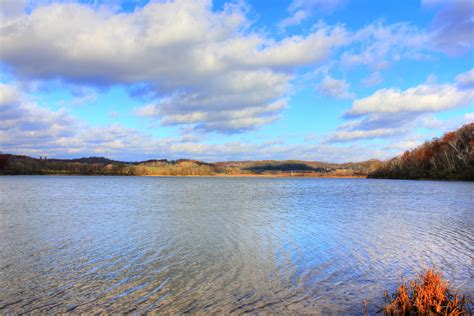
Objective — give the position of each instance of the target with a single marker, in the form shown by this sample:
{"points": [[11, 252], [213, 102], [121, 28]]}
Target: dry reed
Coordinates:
{"points": [[426, 294]]}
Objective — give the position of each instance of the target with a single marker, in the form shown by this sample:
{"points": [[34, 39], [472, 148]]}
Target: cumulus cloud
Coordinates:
{"points": [[335, 88], [300, 10], [84, 99], [324, 5], [24, 123], [406, 143], [376, 125], [208, 70], [312, 152], [430, 121], [452, 29], [466, 79], [395, 113], [192, 61], [373, 79], [11, 8], [422, 98], [469, 117], [344, 136], [435, 126], [295, 19], [380, 121], [377, 45], [28, 128]]}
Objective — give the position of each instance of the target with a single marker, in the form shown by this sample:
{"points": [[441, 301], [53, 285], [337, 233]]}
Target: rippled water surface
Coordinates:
{"points": [[225, 245]]}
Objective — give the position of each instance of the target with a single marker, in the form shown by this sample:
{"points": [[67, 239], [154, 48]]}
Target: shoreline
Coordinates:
{"points": [[24, 165], [261, 176], [202, 176]]}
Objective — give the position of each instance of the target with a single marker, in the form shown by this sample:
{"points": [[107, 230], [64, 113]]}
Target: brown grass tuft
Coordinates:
{"points": [[426, 294]]}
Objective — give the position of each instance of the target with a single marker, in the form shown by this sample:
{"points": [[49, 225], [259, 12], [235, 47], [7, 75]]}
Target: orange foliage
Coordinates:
{"points": [[423, 154], [406, 155], [449, 137], [426, 294], [449, 157]]}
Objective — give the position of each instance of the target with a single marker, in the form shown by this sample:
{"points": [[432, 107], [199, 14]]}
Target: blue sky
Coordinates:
{"points": [[318, 80]]}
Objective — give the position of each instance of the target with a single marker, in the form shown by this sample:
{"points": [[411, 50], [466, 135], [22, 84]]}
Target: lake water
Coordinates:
{"points": [[225, 245]]}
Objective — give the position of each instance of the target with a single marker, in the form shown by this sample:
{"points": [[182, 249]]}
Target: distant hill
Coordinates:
{"points": [[100, 160], [450, 157], [24, 165]]}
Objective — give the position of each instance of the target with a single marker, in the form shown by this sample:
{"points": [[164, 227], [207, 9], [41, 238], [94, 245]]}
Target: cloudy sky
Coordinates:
{"points": [[327, 80]]}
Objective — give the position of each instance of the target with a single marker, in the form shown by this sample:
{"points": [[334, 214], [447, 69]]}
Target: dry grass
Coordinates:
{"points": [[426, 294]]}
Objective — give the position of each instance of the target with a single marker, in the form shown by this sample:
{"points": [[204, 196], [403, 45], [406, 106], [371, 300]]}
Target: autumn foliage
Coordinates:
{"points": [[427, 294], [15, 164], [448, 157]]}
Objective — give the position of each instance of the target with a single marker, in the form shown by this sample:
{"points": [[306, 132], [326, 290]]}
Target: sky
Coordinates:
{"points": [[338, 81]]}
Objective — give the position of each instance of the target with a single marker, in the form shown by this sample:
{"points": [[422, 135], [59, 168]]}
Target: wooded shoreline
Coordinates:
{"points": [[24, 165], [450, 157]]}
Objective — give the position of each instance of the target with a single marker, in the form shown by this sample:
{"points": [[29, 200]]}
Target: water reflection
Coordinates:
{"points": [[231, 245]]}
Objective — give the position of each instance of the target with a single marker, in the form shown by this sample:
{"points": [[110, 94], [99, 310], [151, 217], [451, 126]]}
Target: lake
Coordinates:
{"points": [[225, 245]]}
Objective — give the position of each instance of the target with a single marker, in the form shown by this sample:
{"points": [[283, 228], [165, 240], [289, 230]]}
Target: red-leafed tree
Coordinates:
{"points": [[450, 157]]}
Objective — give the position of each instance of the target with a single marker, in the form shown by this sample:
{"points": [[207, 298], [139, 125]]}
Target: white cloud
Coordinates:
{"points": [[325, 5], [447, 125], [395, 113], [28, 128], [466, 79], [87, 98], [452, 29], [335, 88], [9, 95], [208, 71], [469, 118], [422, 98], [373, 79], [406, 143], [344, 136], [301, 10], [429, 121], [193, 61], [24, 123], [377, 45], [295, 19], [436, 128], [223, 120], [375, 125], [11, 8]]}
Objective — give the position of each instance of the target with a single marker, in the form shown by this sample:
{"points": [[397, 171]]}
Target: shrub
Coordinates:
{"points": [[426, 294]]}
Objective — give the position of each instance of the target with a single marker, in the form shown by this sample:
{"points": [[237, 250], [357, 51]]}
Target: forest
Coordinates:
{"points": [[24, 165], [450, 157]]}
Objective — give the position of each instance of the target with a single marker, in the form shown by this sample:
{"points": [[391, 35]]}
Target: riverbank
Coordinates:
{"points": [[243, 175], [450, 157], [24, 165], [321, 176]]}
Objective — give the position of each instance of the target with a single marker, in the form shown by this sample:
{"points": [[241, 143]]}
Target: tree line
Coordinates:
{"points": [[24, 165], [450, 157]]}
